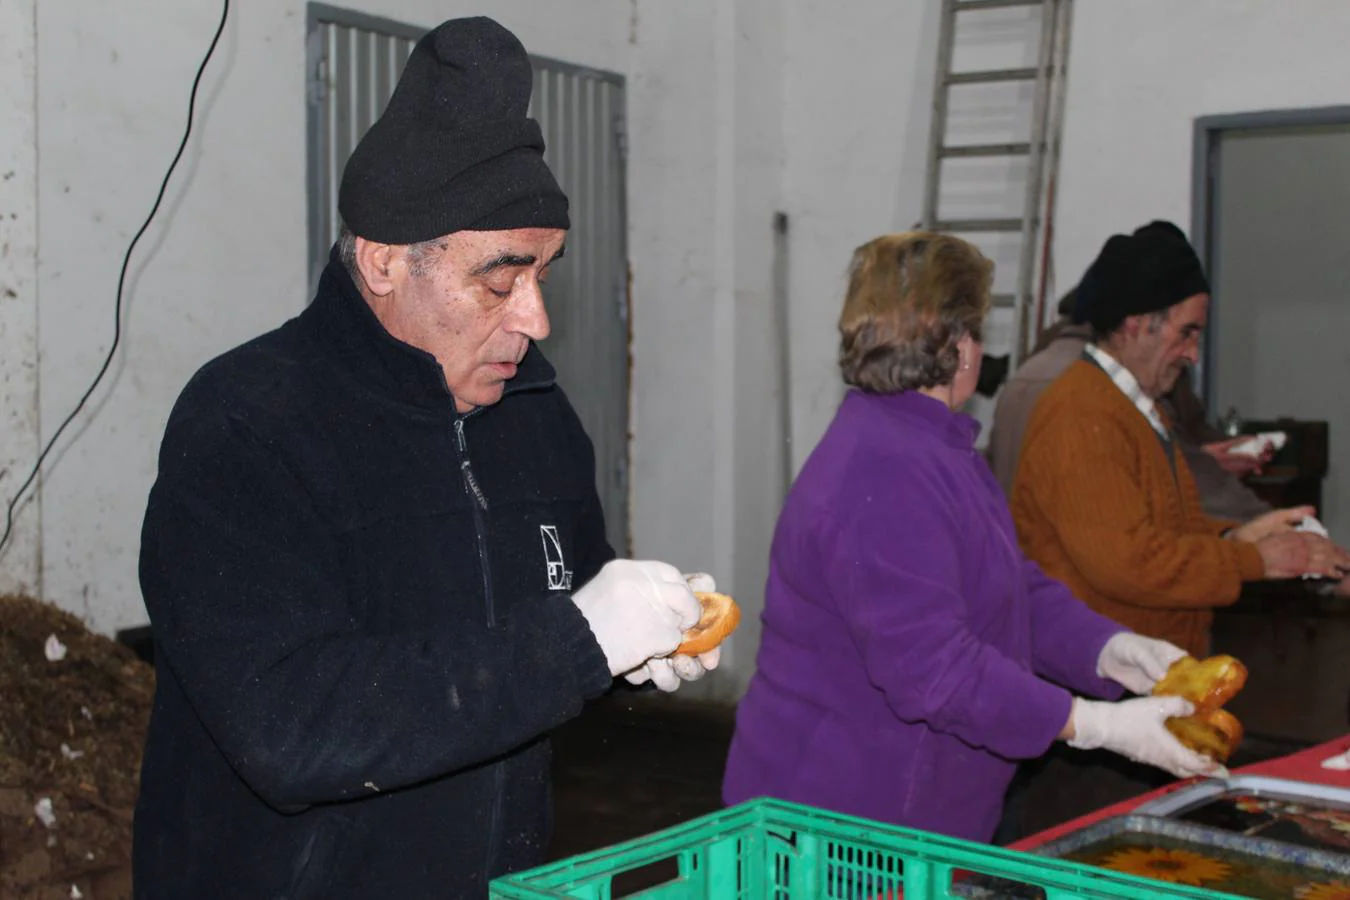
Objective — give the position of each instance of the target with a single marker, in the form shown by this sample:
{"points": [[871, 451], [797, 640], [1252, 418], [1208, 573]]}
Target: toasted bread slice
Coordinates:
{"points": [[1207, 683], [1215, 733], [721, 615]]}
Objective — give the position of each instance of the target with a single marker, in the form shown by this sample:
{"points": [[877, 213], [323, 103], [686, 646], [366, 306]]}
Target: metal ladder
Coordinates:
{"points": [[1041, 149]]}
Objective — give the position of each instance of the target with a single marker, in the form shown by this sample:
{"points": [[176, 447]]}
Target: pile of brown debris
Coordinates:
{"points": [[74, 706]]}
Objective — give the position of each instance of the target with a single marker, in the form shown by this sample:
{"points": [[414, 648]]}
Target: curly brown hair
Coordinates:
{"points": [[911, 297]]}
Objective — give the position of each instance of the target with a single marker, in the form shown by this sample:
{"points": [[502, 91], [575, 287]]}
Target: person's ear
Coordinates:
{"points": [[375, 262], [1134, 326], [965, 348]]}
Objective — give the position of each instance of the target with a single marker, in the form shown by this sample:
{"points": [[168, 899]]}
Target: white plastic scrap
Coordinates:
{"points": [[70, 754], [43, 809], [1258, 444], [1310, 524], [1340, 762], [75, 892], [55, 650]]}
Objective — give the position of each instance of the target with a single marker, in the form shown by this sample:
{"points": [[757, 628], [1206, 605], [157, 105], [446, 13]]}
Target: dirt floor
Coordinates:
{"points": [[73, 714]]}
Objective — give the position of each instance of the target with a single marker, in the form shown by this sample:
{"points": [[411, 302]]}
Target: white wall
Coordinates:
{"points": [[1140, 74], [19, 569], [762, 461], [705, 180], [857, 110], [682, 234]]}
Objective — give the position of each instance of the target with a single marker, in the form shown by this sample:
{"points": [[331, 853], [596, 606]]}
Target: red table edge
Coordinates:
{"points": [[1305, 765]]}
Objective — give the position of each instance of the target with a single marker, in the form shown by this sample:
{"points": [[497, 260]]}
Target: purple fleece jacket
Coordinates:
{"points": [[910, 652]]}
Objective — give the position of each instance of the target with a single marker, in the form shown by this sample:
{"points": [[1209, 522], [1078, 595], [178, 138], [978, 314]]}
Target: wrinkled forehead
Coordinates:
{"points": [[518, 246]]}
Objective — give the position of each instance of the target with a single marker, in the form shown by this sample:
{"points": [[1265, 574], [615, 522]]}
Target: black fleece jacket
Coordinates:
{"points": [[362, 621]]}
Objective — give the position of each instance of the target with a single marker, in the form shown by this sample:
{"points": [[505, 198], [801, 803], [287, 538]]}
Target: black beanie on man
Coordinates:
{"points": [[1148, 271], [454, 150]]}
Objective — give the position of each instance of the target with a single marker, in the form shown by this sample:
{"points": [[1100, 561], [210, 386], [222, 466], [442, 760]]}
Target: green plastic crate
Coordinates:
{"points": [[775, 850]]}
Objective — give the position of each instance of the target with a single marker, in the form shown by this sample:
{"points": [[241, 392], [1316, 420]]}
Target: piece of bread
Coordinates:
{"points": [[1208, 683], [721, 615], [1215, 733]]}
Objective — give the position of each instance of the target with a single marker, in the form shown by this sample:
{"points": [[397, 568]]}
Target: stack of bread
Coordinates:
{"points": [[1209, 683]]}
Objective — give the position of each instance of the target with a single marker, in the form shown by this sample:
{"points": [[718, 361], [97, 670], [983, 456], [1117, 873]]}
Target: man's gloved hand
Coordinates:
{"points": [[1135, 661], [667, 672], [1134, 729], [637, 609]]}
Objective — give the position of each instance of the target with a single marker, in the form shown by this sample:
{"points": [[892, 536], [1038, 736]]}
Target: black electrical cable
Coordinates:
{"points": [[121, 281]]}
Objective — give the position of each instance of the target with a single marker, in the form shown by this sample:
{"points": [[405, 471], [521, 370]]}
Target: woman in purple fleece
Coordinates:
{"points": [[911, 654]]}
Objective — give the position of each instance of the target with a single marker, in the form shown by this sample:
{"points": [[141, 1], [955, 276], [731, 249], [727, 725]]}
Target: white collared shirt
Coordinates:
{"points": [[1129, 386]]}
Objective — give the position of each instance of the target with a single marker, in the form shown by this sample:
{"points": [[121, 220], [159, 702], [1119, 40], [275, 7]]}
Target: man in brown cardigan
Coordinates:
{"points": [[1218, 472], [1104, 500]]}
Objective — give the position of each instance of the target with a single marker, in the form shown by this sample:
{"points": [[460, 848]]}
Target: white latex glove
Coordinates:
{"points": [[637, 609], [1135, 661], [667, 672], [1134, 729]]}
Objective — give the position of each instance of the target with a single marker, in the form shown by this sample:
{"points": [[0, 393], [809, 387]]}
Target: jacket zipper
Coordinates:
{"points": [[478, 501]]}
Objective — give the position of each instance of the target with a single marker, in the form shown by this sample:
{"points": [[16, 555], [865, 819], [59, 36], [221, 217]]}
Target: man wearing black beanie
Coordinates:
{"points": [[1104, 501], [374, 556]]}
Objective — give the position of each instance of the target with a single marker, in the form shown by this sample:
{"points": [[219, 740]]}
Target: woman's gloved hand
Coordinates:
{"points": [[1135, 661], [637, 609], [1134, 729], [667, 672]]}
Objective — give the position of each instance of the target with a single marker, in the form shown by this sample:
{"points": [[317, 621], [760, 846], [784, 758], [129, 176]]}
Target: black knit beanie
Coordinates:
{"points": [[454, 150], [1148, 271]]}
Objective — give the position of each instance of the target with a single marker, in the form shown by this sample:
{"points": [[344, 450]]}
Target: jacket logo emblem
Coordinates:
{"points": [[559, 576]]}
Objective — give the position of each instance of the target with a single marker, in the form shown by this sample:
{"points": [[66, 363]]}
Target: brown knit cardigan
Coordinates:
{"points": [[1099, 506]]}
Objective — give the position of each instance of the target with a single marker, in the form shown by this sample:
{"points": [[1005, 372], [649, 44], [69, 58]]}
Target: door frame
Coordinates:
{"points": [[1205, 170]]}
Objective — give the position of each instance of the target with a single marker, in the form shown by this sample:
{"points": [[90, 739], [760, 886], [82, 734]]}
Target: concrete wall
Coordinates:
{"points": [[706, 175], [20, 567]]}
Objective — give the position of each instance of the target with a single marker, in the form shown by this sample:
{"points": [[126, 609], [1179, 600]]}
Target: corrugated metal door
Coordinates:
{"points": [[355, 61]]}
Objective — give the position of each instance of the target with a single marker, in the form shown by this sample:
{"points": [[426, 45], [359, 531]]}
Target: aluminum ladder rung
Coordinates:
{"points": [[978, 5], [984, 150], [991, 76], [966, 226]]}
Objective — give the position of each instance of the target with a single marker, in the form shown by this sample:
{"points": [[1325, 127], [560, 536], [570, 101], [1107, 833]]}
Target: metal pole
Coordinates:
{"points": [[1055, 131], [1031, 206]]}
